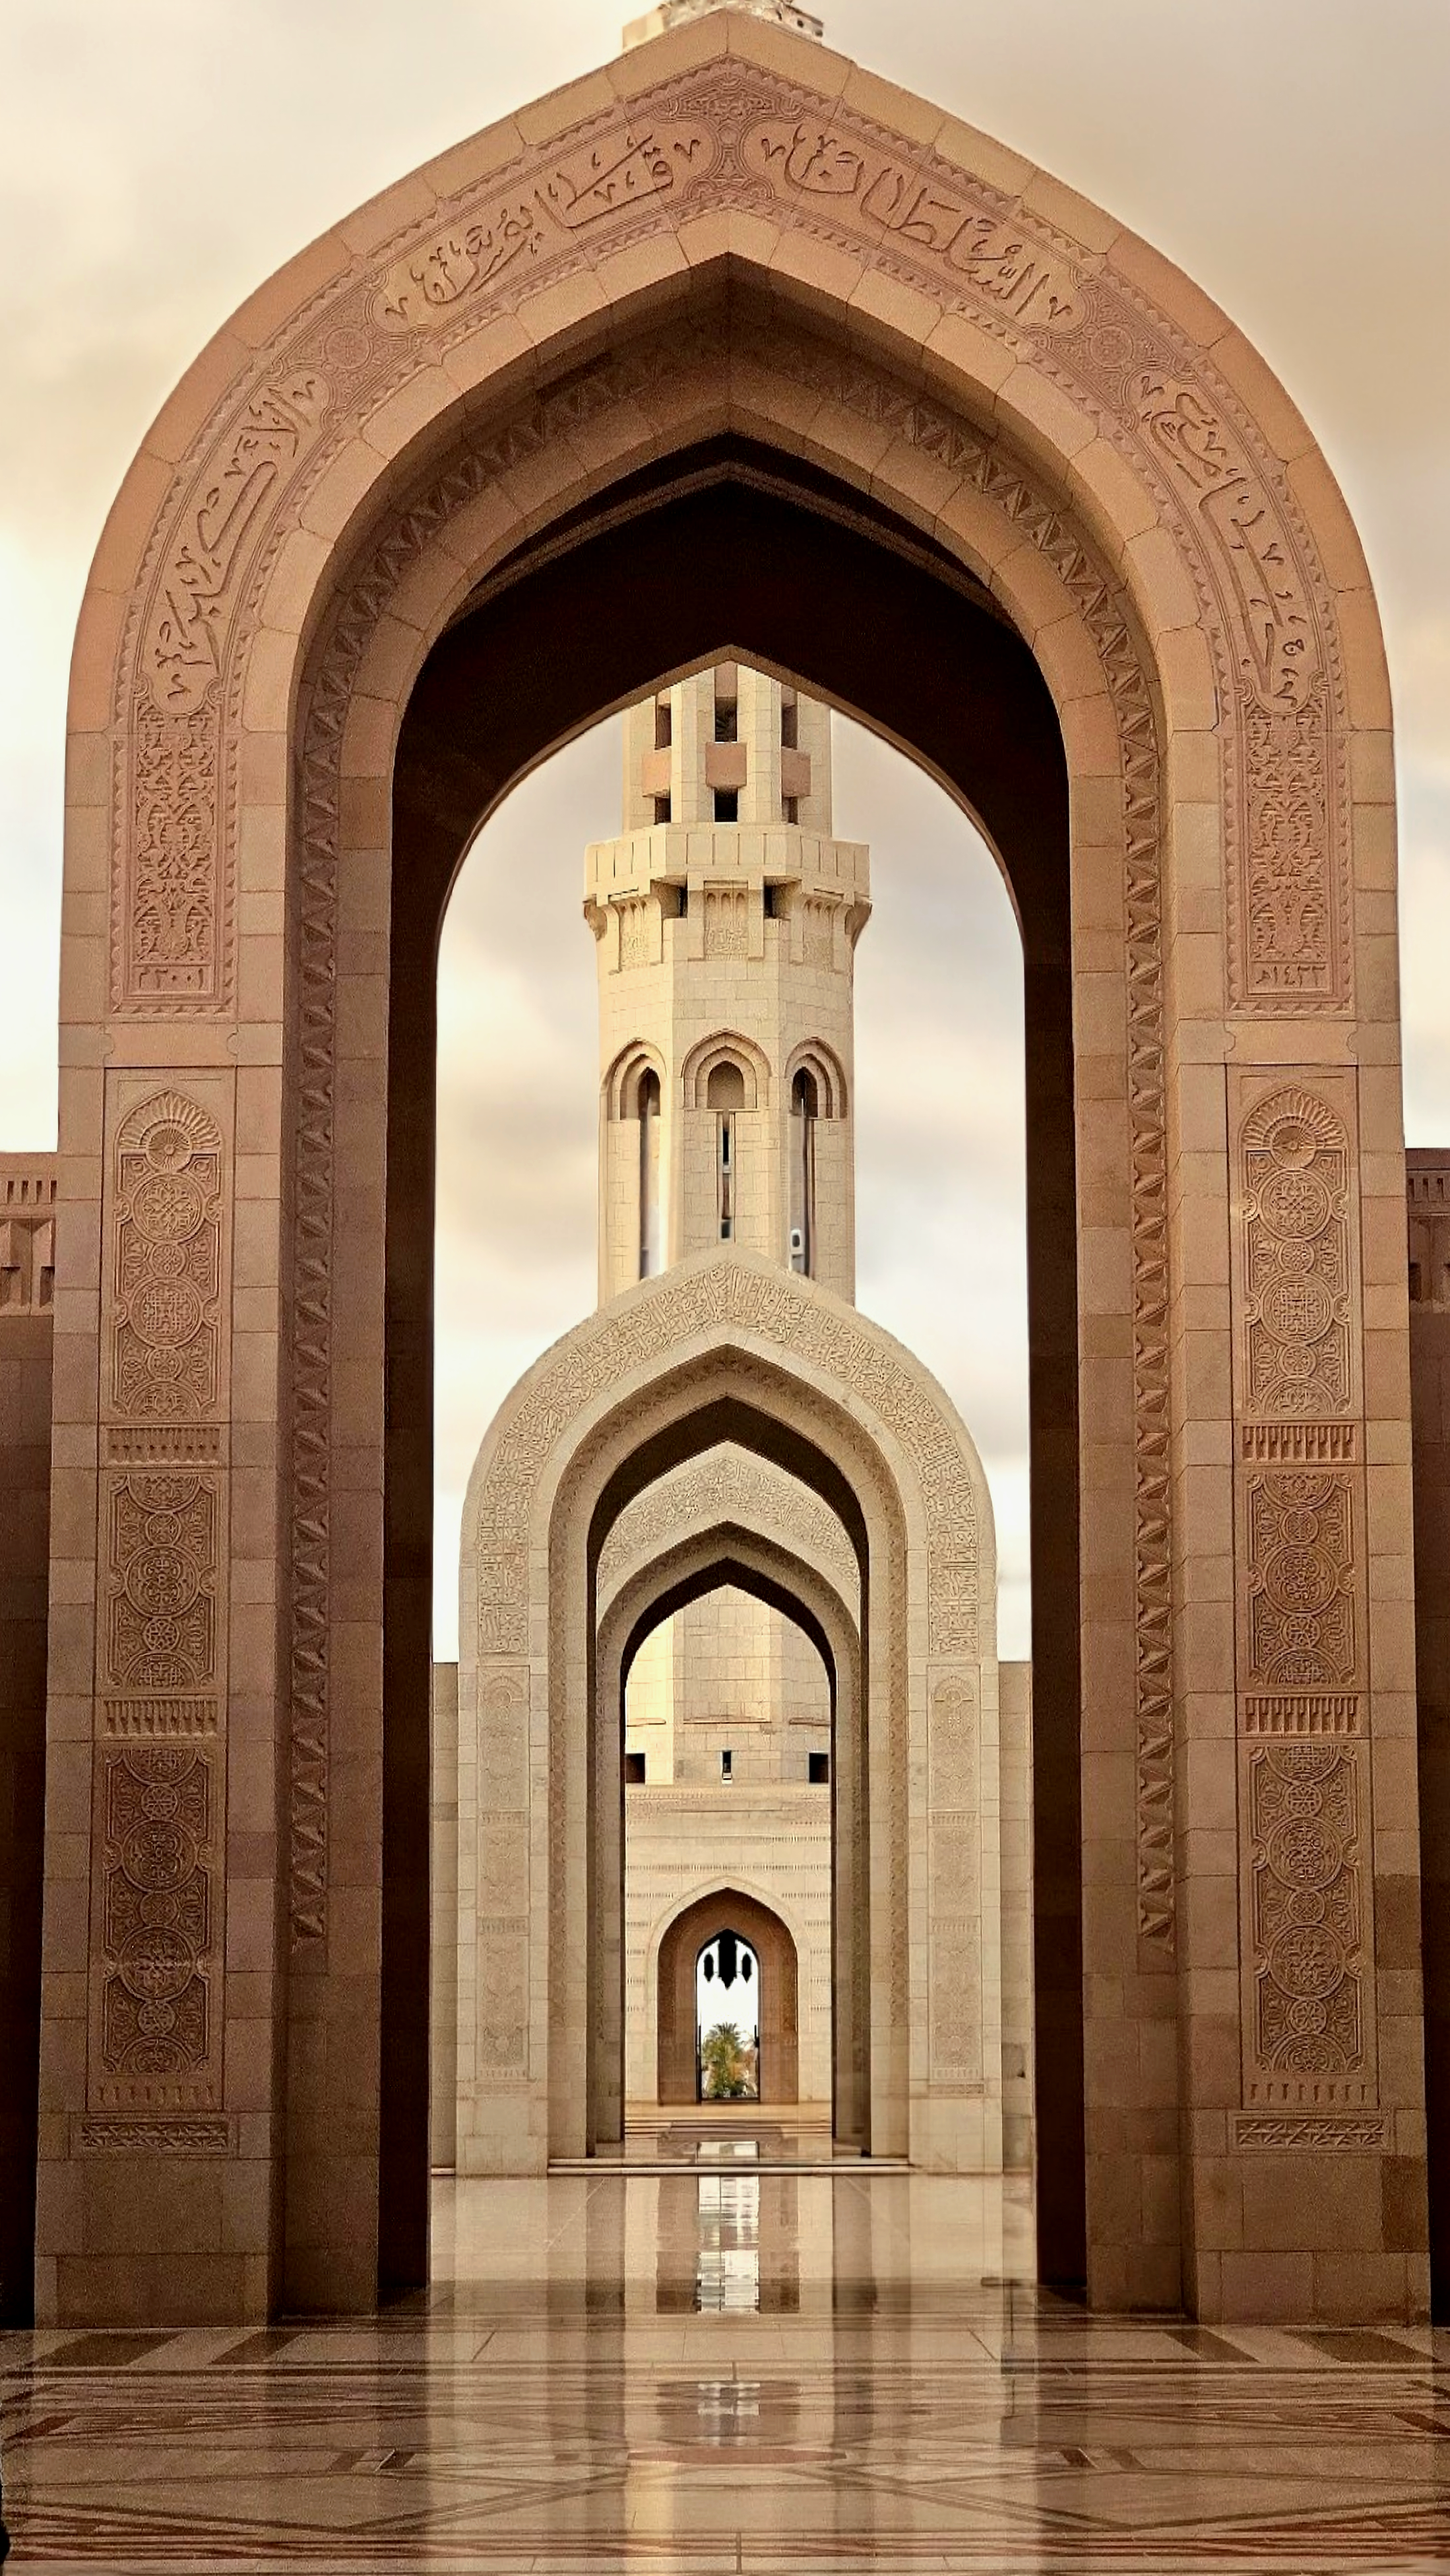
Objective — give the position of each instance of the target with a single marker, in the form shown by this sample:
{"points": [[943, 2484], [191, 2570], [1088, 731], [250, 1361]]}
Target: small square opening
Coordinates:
{"points": [[726, 1763], [727, 804], [634, 1770], [818, 1770]]}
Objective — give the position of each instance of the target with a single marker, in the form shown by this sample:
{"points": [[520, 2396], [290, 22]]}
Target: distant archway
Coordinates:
{"points": [[700, 1922]]}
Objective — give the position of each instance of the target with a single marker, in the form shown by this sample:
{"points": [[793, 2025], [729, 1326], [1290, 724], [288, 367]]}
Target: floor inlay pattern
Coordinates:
{"points": [[736, 2372]]}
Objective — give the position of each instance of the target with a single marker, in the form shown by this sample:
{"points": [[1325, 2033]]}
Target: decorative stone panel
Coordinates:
{"points": [[1306, 1881], [156, 2040], [954, 1875], [157, 2000]]}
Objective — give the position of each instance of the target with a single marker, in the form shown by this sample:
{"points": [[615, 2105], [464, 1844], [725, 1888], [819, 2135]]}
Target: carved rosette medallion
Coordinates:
{"points": [[156, 2042], [161, 1615], [1310, 1948], [1298, 1339], [165, 1343]]}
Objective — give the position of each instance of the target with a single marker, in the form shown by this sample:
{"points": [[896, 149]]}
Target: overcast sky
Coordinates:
{"points": [[158, 159]]}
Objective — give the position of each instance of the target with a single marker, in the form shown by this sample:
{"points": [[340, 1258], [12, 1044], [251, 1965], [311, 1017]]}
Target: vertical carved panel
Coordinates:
{"points": [[1306, 1889], [158, 1883], [155, 2035], [1299, 1357], [166, 1263], [1307, 1898], [502, 1903], [954, 1867], [161, 1583]]}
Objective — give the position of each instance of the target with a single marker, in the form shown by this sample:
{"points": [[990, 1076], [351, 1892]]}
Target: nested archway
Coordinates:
{"points": [[356, 584], [705, 1552], [725, 1348], [702, 1920]]}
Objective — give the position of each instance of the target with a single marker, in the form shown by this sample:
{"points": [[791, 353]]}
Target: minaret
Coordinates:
{"points": [[676, 13], [727, 918]]}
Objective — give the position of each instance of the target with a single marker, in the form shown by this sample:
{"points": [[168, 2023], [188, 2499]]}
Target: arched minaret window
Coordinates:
{"points": [[805, 1107], [649, 1174], [725, 1094]]}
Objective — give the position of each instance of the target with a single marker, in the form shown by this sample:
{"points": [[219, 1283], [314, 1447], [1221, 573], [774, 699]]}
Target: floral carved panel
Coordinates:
{"points": [[1306, 1885], [161, 1577], [165, 1342], [1308, 2030], [1299, 1358], [156, 2037]]}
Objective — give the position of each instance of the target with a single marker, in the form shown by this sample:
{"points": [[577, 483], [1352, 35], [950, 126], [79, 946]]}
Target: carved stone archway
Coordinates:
{"points": [[724, 1348], [840, 347], [652, 1581], [699, 1921]]}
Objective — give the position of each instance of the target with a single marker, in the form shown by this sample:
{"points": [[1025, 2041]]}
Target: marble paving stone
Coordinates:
{"points": [[546, 2406]]}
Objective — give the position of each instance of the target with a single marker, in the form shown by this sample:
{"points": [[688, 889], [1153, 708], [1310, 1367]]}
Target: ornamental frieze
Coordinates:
{"points": [[728, 137]]}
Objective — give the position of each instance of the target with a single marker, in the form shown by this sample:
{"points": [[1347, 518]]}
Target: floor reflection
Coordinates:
{"points": [[729, 2367]]}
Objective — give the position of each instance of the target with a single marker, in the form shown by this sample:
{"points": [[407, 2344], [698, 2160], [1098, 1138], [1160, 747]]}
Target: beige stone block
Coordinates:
{"points": [[896, 307], [94, 657], [406, 416], [1049, 423], [1164, 590], [342, 491], [290, 289], [1067, 212], [571, 104], [1276, 416], [1176, 296]]}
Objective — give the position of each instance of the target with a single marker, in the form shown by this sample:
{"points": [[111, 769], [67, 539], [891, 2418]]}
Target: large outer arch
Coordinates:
{"points": [[1183, 489]]}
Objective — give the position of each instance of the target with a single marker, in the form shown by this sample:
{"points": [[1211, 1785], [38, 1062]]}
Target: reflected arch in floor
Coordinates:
{"points": [[699, 1921]]}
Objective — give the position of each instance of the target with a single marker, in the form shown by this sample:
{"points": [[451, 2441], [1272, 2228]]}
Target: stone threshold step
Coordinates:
{"points": [[854, 2167]]}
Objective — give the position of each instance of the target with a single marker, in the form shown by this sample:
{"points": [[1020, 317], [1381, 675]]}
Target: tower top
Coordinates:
{"points": [[677, 13]]}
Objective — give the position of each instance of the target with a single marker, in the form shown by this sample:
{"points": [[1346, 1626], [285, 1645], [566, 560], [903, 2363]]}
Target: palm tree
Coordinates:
{"points": [[724, 2065]]}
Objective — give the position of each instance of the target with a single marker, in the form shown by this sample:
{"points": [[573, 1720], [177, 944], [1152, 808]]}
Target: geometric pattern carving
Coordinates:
{"points": [[728, 1484], [176, 2136], [157, 2045], [1297, 1279], [1309, 2132], [1300, 1576], [160, 1631], [1308, 2032], [166, 1281]]}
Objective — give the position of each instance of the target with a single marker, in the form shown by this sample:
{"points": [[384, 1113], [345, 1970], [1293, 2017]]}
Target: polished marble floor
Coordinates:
{"points": [[730, 2369]]}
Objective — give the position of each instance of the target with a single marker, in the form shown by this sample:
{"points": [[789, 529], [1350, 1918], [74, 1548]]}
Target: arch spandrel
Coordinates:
{"points": [[1089, 351]]}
